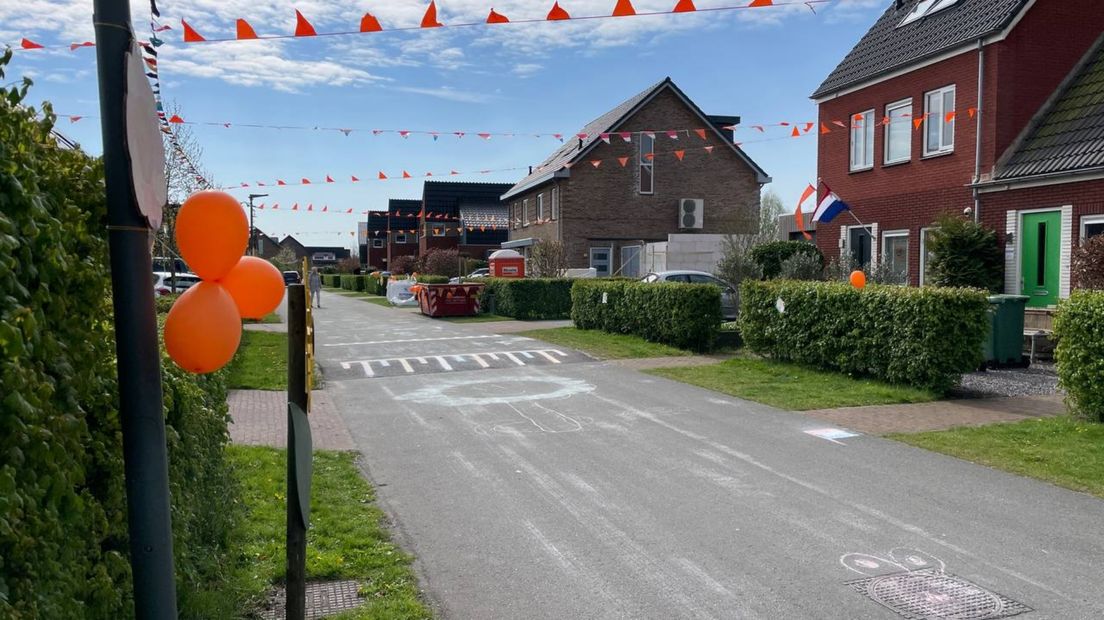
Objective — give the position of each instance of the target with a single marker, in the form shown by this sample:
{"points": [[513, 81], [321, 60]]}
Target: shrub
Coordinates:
{"points": [[527, 299], [965, 254], [346, 265], [375, 284], [164, 303], [404, 264], [1079, 327], [926, 337], [1088, 264], [430, 279], [548, 259], [351, 282], [839, 269], [442, 262], [737, 265], [802, 266], [681, 315], [770, 256], [469, 265]]}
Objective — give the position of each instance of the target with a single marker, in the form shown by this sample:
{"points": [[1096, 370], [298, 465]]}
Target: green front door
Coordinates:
{"points": [[1040, 248]]}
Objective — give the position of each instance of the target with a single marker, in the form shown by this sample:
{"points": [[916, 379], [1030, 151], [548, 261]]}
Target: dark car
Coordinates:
{"points": [[292, 277]]}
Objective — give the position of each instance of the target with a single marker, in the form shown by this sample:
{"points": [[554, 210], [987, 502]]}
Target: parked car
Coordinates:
{"points": [[730, 300], [482, 272], [292, 277], [163, 283]]}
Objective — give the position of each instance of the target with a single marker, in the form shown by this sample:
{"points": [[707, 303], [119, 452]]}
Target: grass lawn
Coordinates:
{"points": [[261, 362], [1065, 451], [604, 345], [791, 387], [347, 538], [269, 319]]}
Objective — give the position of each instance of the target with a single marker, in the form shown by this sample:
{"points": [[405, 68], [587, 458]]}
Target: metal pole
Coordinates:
{"points": [[139, 358], [252, 230], [297, 395]]}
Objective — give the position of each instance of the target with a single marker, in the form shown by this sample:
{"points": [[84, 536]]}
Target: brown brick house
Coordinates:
{"points": [[469, 217], [402, 228], [986, 107], [605, 212], [376, 238]]}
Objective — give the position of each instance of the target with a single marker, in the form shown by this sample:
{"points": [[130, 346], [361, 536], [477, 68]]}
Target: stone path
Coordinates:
{"points": [[260, 419], [940, 415]]}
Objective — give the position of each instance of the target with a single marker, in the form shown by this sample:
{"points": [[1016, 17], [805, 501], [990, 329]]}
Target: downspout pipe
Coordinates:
{"points": [[980, 112]]}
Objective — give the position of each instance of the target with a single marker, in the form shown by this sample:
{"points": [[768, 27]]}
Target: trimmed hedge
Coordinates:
{"points": [[770, 256], [681, 315], [527, 299], [924, 337], [375, 284], [331, 279], [1079, 327], [428, 279], [351, 282]]}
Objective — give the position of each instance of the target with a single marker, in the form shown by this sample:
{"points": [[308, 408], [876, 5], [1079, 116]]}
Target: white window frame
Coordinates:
{"points": [[438, 232], [525, 213], [609, 258], [864, 129], [555, 203], [889, 110], [646, 163], [515, 216], [925, 8], [540, 207], [924, 254], [1085, 221], [400, 239], [941, 119], [895, 234], [378, 243]]}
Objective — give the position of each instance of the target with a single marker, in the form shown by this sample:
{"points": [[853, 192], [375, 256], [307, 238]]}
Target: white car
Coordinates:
{"points": [[163, 285], [730, 309], [482, 272]]}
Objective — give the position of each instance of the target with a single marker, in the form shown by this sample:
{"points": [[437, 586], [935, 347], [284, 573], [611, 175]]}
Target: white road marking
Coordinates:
{"points": [[479, 360], [527, 354], [514, 359], [443, 360], [549, 357], [832, 434], [493, 356], [443, 363], [350, 344], [406, 366]]}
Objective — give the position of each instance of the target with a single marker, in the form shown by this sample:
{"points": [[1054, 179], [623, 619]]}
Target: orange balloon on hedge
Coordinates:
{"points": [[858, 279], [212, 233], [203, 328], [256, 286]]}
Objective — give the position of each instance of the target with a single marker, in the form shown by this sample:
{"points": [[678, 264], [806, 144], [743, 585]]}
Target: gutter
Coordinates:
{"points": [[562, 173], [1001, 185], [979, 126]]}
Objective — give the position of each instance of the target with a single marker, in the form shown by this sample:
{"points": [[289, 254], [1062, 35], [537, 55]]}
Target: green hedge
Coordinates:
{"points": [[350, 282], [681, 315], [63, 536], [770, 256], [1079, 327], [925, 337], [375, 285], [527, 299], [428, 279], [332, 280]]}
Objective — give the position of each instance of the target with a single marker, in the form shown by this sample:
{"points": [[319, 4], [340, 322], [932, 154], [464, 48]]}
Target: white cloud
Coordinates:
{"points": [[447, 93], [527, 69]]}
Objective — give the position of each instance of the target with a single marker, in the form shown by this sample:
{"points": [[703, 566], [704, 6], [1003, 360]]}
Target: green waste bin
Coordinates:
{"points": [[1004, 346]]}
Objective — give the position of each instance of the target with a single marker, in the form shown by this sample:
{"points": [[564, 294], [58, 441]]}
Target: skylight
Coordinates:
{"points": [[927, 7]]}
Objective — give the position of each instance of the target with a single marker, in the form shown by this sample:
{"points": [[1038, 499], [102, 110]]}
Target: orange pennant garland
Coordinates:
{"points": [[369, 23], [429, 20], [624, 8], [917, 122], [596, 163], [497, 18], [623, 161], [755, 4], [190, 35], [245, 31], [28, 44], [701, 133], [303, 28], [685, 6], [680, 154], [796, 133], [950, 116], [557, 13], [824, 129]]}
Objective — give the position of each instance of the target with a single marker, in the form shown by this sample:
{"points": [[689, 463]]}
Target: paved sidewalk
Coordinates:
{"points": [[260, 419], [941, 415], [279, 328]]}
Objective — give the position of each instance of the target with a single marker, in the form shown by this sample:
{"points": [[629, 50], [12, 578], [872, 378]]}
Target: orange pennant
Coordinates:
{"points": [[596, 162], [369, 23], [680, 154], [624, 8], [685, 6], [28, 44], [917, 122], [245, 31], [382, 176], [701, 133], [406, 175], [303, 28], [190, 35], [973, 112], [429, 20], [304, 181], [623, 160], [824, 129], [557, 13], [176, 119], [760, 3], [355, 179], [950, 116], [329, 179], [796, 133], [497, 18]]}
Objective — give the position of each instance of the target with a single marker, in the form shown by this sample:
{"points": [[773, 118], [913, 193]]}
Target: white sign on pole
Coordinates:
{"points": [[144, 145]]}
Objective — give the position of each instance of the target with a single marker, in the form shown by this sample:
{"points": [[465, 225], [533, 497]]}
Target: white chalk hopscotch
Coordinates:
{"points": [[452, 362]]}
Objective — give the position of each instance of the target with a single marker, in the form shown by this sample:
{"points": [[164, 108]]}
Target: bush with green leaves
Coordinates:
{"points": [[441, 262], [965, 254], [403, 264], [924, 337], [802, 266], [432, 279], [770, 256], [375, 283], [351, 282], [1088, 264], [1079, 328], [526, 299], [686, 316]]}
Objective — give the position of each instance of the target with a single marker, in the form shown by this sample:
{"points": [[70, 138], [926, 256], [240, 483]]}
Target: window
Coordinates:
{"points": [[515, 218], [926, 255], [377, 243], [858, 242], [525, 212], [600, 261], [939, 106], [555, 203], [1091, 226], [898, 133], [439, 232], [926, 7], [862, 141], [895, 254], [400, 238], [647, 164], [540, 208]]}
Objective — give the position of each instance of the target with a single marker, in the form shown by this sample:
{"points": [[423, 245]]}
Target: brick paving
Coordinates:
{"points": [[940, 415], [260, 419]]}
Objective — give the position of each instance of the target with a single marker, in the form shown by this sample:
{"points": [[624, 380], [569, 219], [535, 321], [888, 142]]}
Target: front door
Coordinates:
{"points": [[1040, 251], [630, 261], [600, 261]]}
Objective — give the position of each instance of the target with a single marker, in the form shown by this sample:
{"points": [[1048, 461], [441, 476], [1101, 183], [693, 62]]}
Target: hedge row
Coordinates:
{"points": [[527, 299], [925, 337], [375, 285], [1079, 327], [350, 282], [681, 315], [428, 279], [331, 280]]}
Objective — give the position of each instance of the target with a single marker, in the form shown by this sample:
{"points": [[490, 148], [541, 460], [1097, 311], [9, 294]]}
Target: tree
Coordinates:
{"points": [[285, 260], [348, 265], [442, 262], [183, 169], [770, 209], [967, 254], [548, 259]]}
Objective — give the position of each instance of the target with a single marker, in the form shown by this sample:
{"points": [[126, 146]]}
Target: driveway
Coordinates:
{"points": [[533, 482]]}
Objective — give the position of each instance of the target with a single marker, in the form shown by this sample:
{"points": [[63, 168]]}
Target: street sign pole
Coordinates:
{"points": [[298, 453], [139, 359]]}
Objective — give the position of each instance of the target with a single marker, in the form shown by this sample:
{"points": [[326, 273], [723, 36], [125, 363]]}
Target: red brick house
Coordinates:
{"points": [[469, 217], [402, 229], [663, 167], [376, 239], [968, 106]]}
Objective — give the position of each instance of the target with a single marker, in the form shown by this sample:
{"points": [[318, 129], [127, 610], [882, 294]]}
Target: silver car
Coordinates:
{"points": [[730, 300]]}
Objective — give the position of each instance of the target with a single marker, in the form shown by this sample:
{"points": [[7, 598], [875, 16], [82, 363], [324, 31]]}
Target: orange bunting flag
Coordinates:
{"points": [[28, 44], [824, 129], [684, 6], [354, 178], [429, 20], [596, 163], [295, 207], [885, 120], [310, 207], [406, 175], [382, 176], [950, 116], [840, 123], [755, 4], [329, 179], [176, 119], [799, 218], [680, 154], [796, 133], [349, 211], [557, 13], [74, 46], [624, 8], [649, 156], [73, 119], [808, 127], [623, 161], [325, 208], [369, 23], [973, 112], [917, 122], [453, 173], [304, 181], [303, 28], [701, 133], [759, 128], [245, 31], [497, 18], [280, 182], [709, 149], [190, 35]]}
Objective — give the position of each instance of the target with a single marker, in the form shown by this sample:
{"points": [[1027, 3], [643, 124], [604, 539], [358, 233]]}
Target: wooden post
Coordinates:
{"points": [[297, 400]]}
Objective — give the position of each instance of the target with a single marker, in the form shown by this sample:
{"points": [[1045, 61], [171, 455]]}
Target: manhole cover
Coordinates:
{"points": [[930, 594], [324, 598]]}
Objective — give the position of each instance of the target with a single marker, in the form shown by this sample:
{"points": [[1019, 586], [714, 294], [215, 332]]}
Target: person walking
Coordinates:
{"points": [[316, 286]]}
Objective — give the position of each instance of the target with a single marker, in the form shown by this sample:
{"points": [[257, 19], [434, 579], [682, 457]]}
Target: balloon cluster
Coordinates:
{"points": [[204, 326]]}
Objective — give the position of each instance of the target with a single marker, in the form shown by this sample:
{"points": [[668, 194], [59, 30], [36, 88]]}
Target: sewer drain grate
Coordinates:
{"points": [[324, 598], [929, 594]]}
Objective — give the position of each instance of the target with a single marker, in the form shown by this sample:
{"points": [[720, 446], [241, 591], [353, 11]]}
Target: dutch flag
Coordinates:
{"points": [[830, 206]]}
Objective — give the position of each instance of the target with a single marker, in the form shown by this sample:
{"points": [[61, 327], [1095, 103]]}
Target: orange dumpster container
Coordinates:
{"points": [[507, 264], [439, 300]]}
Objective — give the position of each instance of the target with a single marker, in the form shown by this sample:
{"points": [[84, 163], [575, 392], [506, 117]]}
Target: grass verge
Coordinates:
{"points": [[270, 319], [791, 387], [347, 539], [603, 344], [261, 362], [1065, 451]]}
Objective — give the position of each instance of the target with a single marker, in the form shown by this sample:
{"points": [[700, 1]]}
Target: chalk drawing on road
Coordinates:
{"points": [[833, 435], [467, 392], [448, 362], [914, 585], [544, 419]]}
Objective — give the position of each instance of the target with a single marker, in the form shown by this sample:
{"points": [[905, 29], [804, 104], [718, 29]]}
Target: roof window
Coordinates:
{"points": [[927, 7]]}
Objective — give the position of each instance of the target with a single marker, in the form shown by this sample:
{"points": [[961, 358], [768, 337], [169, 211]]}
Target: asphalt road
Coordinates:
{"points": [[555, 486]]}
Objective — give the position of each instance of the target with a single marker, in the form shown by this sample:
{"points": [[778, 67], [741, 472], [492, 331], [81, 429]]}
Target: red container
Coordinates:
{"points": [[438, 300], [507, 264]]}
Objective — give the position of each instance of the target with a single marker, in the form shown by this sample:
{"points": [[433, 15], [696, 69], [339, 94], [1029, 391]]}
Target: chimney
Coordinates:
{"points": [[530, 170]]}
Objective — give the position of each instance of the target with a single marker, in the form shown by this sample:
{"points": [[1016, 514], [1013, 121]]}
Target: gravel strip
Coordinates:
{"points": [[1038, 380]]}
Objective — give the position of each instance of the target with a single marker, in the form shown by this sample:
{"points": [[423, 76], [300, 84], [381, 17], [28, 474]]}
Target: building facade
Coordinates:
{"points": [[468, 217]]}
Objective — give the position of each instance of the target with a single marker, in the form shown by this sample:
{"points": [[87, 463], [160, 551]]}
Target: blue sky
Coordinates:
{"points": [[759, 64]]}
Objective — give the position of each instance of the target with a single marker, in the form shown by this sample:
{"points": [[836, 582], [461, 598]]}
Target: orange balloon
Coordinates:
{"points": [[203, 328], [212, 233], [858, 279], [256, 286]]}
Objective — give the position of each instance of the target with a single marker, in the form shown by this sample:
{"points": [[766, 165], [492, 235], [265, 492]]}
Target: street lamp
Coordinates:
{"points": [[253, 231]]}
